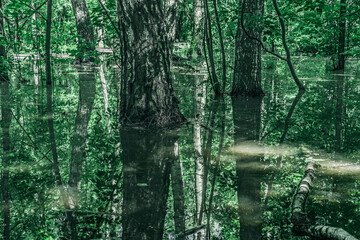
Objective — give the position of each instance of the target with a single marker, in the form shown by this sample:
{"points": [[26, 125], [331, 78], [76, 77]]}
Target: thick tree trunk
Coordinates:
{"points": [[147, 166], [170, 9], [301, 224], [342, 36], [247, 112], [247, 69], [85, 30], [147, 95], [5, 124], [86, 100]]}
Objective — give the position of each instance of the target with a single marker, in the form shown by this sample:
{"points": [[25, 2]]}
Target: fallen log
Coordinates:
{"points": [[302, 225]]}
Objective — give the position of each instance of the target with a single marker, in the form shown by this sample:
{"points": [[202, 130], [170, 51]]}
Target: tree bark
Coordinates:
{"points": [[339, 113], [147, 95], [210, 50], [288, 55], [5, 124], [198, 19], [222, 47], [199, 112], [171, 8], [247, 68], [85, 30], [86, 100], [342, 36]]}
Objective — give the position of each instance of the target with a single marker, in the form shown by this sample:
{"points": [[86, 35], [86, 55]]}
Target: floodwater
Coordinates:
{"points": [[229, 173]]}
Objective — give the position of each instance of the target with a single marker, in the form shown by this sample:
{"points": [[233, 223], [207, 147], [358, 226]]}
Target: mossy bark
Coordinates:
{"points": [[147, 95], [247, 68]]}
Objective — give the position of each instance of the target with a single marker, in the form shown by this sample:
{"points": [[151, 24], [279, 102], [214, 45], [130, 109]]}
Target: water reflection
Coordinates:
{"points": [[147, 163], [87, 82], [246, 112]]}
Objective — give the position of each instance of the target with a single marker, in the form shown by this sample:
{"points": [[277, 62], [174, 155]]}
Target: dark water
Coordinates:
{"points": [[223, 175]]}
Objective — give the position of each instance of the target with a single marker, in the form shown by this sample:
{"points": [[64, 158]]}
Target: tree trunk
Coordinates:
{"points": [[101, 71], [171, 8], [147, 165], [199, 112], [339, 113], [147, 95], [342, 36], [247, 69], [86, 100], [198, 21], [301, 224], [5, 124], [85, 30]]}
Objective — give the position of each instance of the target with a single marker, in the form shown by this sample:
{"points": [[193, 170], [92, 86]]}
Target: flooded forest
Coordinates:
{"points": [[180, 119]]}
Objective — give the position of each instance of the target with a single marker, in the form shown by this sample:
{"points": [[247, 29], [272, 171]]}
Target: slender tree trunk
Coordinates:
{"points": [[178, 193], [101, 71], [147, 95], [288, 55], [209, 44], [222, 47], [198, 19], [147, 166], [342, 36], [85, 30], [339, 113], [70, 224], [247, 68], [86, 100], [199, 112]]}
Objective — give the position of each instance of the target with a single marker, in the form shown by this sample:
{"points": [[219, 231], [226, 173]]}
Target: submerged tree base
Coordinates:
{"points": [[247, 93], [160, 119]]}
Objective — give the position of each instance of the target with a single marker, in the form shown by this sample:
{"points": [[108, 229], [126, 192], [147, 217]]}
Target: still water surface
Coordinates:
{"points": [[223, 175]]}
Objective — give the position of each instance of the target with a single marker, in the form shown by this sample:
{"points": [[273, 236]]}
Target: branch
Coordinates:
{"points": [[288, 57], [254, 38], [31, 140], [109, 17], [299, 218]]}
